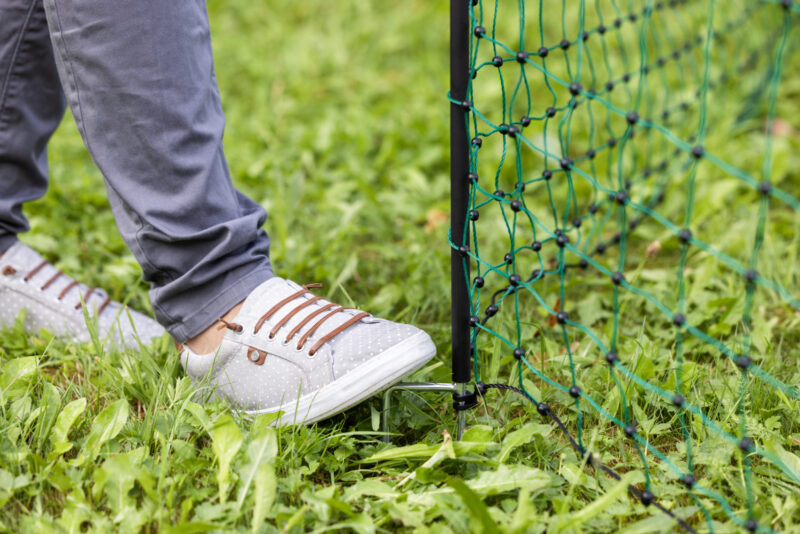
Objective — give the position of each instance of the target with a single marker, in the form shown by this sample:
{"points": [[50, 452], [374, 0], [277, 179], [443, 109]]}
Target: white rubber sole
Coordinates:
{"points": [[359, 384]]}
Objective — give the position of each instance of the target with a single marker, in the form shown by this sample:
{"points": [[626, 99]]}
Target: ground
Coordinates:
{"points": [[338, 124]]}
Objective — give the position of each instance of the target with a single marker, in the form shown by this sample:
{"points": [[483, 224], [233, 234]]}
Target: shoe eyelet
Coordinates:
{"points": [[256, 356]]}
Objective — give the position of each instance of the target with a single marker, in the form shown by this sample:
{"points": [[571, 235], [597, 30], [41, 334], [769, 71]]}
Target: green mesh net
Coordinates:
{"points": [[628, 214]]}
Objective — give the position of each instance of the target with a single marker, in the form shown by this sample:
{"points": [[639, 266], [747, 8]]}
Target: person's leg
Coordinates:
{"points": [[31, 107], [139, 79]]}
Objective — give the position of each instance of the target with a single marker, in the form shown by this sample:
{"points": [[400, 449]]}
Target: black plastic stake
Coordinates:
{"points": [[459, 187]]}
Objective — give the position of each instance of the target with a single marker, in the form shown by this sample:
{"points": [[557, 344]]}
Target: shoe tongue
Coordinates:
{"points": [[22, 255]]}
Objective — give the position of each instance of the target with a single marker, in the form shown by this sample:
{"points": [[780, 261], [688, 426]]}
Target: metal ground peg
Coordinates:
{"points": [[418, 386]]}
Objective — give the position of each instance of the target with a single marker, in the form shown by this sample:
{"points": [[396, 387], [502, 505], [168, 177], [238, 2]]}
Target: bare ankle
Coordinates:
{"points": [[210, 339]]}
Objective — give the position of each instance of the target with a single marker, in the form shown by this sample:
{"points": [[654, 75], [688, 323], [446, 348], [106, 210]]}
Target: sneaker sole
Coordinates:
{"points": [[364, 381]]}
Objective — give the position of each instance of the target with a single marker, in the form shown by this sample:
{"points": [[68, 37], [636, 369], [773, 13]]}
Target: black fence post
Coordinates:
{"points": [[459, 190]]}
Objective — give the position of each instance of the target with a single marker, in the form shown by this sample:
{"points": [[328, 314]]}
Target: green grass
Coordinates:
{"points": [[338, 125]]}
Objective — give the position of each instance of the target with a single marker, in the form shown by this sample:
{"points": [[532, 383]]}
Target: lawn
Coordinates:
{"points": [[338, 124]]}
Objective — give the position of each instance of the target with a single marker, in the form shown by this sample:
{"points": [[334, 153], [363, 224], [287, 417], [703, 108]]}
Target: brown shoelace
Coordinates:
{"points": [[8, 271], [331, 308]]}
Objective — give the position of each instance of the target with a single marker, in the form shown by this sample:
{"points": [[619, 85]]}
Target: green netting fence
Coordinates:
{"points": [[627, 215]]}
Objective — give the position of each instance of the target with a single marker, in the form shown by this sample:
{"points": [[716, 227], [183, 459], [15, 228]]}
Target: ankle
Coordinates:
{"points": [[209, 340]]}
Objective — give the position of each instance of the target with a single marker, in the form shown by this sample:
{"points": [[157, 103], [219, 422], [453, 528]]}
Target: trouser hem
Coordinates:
{"points": [[219, 304], [6, 242]]}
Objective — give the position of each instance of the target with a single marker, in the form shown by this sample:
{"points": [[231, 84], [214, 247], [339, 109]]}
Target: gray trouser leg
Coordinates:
{"points": [[31, 107], [139, 78]]}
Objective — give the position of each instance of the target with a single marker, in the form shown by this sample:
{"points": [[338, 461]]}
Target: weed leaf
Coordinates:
{"points": [[69, 414], [475, 506], [519, 437], [16, 376], [596, 507], [266, 490], [226, 441], [262, 450], [106, 426]]}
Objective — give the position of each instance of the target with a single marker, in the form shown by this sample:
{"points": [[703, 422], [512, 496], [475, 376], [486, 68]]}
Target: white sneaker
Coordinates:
{"points": [[52, 301], [290, 351]]}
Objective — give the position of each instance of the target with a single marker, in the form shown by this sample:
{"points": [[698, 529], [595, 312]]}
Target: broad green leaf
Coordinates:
{"points": [[115, 480], [50, 403], [32, 417], [20, 409], [519, 437], [262, 449], [791, 462], [524, 515], [573, 474], [192, 527], [505, 478], [9, 484], [369, 487], [76, 512], [16, 376], [417, 450], [360, 524], [651, 525], [106, 426], [478, 433], [475, 506], [574, 521], [59, 437], [266, 489], [226, 441], [446, 450], [375, 417], [200, 414], [421, 450]]}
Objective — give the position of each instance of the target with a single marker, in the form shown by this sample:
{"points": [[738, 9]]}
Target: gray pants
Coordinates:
{"points": [[139, 79]]}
